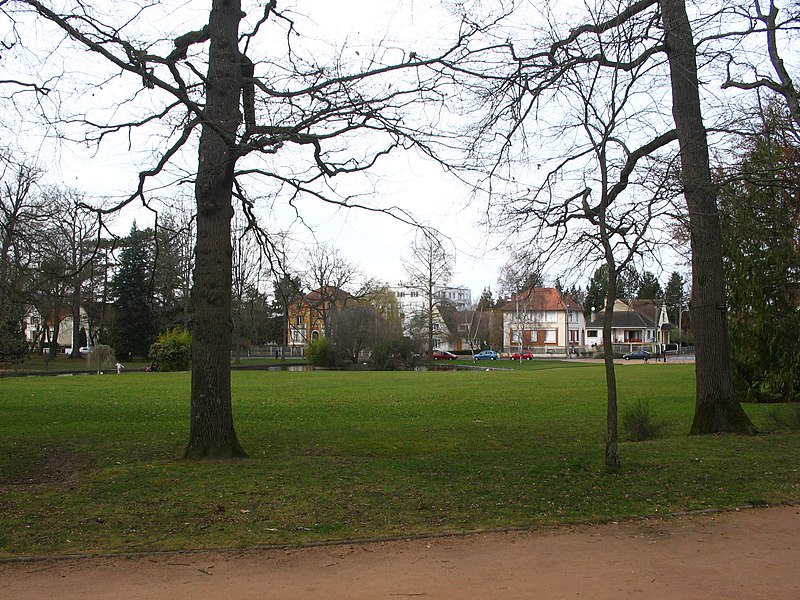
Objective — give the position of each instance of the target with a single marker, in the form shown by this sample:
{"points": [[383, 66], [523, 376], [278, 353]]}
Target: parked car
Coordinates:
{"points": [[486, 355], [525, 355], [443, 355], [638, 354], [85, 351]]}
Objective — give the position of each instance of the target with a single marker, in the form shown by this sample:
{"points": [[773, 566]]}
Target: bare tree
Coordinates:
{"points": [[75, 235], [642, 50], [775, 28], [248, 267], [291, 121], [23, 216], [717, 408], [328, 273], [521, 271], [428, 267], [353, 328]]}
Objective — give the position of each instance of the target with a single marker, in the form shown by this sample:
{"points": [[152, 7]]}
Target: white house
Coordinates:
{"points": [[634, 323], [543, 321], [39, 330]]}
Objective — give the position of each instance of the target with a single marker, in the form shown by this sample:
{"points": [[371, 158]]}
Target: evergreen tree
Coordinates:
{"points": [[761, 220], [134, 318], [596, 291], [285, 289], [577, 294], [13, 347], [675, 296], [649, 287], [627, 287], [486, 301]]}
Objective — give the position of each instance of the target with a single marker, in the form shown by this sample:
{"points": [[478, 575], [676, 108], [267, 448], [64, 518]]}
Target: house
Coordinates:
{"points": [[543, 321], [413, 301], [308, 314], [41, 330], [469, 329], [634, 323]]}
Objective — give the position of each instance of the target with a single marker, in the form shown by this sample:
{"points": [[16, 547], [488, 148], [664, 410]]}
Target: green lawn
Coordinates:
{"points": [[92, 463]]}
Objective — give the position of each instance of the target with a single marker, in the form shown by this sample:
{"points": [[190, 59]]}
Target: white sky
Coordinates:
{"points": [[375, 242]]}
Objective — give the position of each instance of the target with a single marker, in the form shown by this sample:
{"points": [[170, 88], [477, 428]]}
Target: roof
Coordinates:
{"points": [[646, 308], [541, 299], [625, 317], [326, 293]]}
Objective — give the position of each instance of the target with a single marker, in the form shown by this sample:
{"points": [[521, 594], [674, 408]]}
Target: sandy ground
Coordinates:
{"points": [[752, 553]]}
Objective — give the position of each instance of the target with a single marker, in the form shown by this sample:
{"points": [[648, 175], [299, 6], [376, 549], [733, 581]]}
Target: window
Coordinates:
{"points": [[299, 320], [592, 333], [550, 336], [516, 337]]}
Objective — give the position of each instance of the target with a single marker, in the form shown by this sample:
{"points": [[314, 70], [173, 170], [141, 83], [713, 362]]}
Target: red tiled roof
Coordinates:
{"points": [[541, 299]]}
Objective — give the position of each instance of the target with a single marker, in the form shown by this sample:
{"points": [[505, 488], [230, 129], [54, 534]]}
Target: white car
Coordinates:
{"points": [[85, 351]]}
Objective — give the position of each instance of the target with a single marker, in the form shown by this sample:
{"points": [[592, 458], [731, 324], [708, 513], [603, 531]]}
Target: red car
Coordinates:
{"points": [[443, 355], [526, 355]]}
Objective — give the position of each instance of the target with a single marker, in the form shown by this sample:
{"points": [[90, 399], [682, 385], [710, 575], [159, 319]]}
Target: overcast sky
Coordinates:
{"points": [[375, 242]]}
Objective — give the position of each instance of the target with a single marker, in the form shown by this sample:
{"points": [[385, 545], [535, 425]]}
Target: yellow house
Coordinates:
{"points": [[309, 315]]}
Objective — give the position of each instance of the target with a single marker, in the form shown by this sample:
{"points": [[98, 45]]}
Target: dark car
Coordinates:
{"points": [[443, 355], [486, 355], [638, 354], [525, 355]]}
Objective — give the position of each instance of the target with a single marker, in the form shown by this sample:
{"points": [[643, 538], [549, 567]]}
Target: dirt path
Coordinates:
{"points": [[746, 554]]}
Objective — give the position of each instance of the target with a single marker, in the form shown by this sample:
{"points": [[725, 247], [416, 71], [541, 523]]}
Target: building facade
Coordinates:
{"points": [[412, 301], [634, 323], [308, 315], [543, 321]]}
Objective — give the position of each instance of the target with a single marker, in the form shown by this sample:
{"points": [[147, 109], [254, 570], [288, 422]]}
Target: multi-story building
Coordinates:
{"points": [[412, 300], [308, 314], [543, 321]]}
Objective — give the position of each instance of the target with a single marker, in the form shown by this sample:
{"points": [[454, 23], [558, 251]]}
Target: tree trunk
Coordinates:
{"points": [[211, 431], [76, 317], [53, 350], [612, 421], [717, 408]]}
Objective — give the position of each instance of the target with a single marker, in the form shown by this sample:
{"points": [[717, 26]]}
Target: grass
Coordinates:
{"points": [[90, 464]]}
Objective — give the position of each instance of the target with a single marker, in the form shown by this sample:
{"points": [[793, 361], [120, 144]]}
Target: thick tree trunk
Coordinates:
{"points": [[717, 407], [211, 427]]}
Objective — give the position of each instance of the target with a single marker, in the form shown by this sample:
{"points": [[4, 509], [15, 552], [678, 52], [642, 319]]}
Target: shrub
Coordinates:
{"points": [[394, 355], [101, 357], [322, 353], [172, 350], [638, 424], [12, 348]]}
